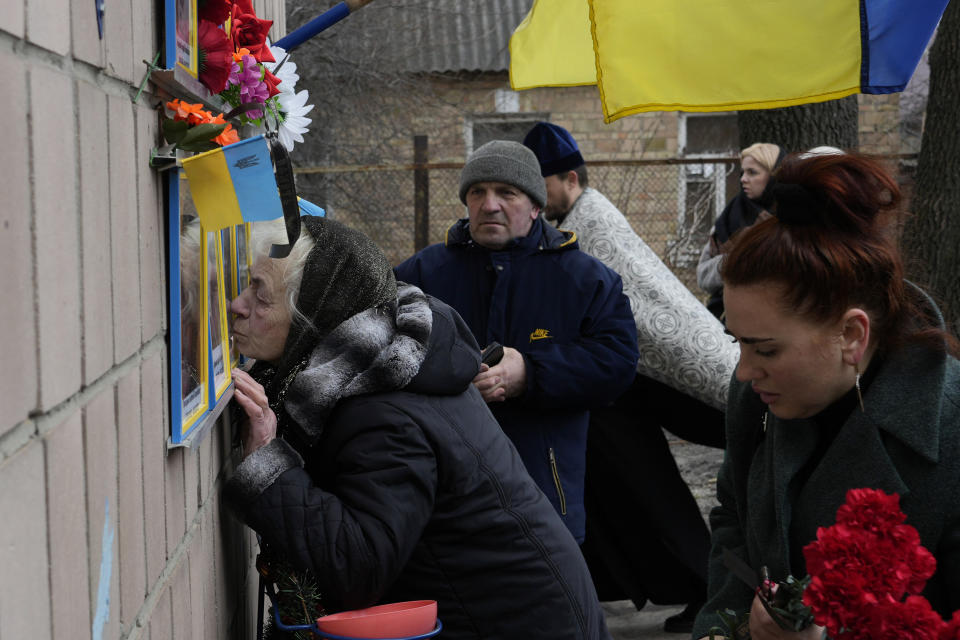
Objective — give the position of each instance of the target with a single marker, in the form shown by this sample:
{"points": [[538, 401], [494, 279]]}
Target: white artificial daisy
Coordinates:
{"points": [[288, 119], [293, 124], [287, 70]]}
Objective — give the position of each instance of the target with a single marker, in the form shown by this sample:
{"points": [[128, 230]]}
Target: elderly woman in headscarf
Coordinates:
{"points": [[752, 202], [371, 463]]}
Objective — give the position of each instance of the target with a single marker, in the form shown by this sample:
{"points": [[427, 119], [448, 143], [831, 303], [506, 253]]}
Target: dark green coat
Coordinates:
{"points": [[906, 442]]}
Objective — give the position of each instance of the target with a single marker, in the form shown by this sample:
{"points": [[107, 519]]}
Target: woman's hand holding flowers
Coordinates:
{"points": [[764, 627]]}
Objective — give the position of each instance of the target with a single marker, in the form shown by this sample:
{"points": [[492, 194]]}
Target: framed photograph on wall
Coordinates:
{"points": [[230, 284], [241, 239], [185, 43], [187, 277], [244, 262], [219, 341], [206, 269]]}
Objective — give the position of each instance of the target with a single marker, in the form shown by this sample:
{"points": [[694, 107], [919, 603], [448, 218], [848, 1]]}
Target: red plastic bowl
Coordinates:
{"points": [[396, 620]]}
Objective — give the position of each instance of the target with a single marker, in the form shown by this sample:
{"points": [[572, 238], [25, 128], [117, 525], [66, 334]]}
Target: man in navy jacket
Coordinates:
{"points": [[569, 338]]}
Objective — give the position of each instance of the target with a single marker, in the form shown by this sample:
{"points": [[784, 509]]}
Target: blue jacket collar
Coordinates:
{"points": [[542, 237]]}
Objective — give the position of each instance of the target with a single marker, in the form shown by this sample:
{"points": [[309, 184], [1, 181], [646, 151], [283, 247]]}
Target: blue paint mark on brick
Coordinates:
{"points": [[106, 570]]}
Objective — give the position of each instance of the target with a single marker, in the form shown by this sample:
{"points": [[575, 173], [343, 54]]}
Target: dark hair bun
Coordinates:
{"points": [[794, 204], [846, 193]]}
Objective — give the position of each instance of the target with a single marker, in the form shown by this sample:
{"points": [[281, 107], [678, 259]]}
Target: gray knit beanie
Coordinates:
{"points": [[504, 161]]}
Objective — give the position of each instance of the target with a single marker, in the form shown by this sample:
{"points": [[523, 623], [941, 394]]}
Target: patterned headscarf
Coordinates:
{"points": [[345, 273]]}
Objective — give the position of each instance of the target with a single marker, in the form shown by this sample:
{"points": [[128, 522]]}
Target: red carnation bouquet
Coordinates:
{"points": [[865, 575], [867, 571]]}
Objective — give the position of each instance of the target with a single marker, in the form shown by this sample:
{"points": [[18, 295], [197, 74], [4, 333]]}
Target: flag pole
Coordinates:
{"points": [[326, 19]]}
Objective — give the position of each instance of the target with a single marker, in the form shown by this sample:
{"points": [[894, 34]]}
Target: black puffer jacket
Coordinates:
{"points": [[417, 494]]}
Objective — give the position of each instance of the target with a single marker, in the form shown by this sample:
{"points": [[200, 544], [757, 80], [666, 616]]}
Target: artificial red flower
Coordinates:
{"points": [[272, 82], [215, 11], [216, 56], [247, 30]]}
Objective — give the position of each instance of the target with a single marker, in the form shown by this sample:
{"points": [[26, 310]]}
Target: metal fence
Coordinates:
{"points": [[670, 203]]}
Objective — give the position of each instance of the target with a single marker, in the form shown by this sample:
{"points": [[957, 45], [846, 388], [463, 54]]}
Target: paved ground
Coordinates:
{"points": [[699, 466], [626, 623]]}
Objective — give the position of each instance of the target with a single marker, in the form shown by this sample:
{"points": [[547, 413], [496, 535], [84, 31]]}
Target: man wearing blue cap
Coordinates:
{"points": [[685, 367], [569, 341]]}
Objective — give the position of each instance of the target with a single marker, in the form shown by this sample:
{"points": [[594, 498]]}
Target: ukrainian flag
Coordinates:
{"points": [[234, 184], [721, 55]]}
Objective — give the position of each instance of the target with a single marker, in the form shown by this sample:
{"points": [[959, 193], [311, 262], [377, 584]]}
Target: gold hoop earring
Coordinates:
{"points": [[857, 385]]}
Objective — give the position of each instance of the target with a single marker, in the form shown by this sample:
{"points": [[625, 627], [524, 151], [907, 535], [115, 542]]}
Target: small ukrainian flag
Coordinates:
{"points": [[234, 184]]}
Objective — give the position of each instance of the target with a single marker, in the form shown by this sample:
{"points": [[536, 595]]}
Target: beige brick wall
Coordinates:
{"points": [[93, 501], [879, 123], [381, 203]]}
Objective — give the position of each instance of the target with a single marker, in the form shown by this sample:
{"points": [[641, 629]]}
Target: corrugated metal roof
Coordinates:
{"points": [[432, 35]]}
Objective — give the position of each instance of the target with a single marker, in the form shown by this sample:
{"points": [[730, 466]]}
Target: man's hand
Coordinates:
{"points": [[507, 379], [763, 627], [260, 427]]}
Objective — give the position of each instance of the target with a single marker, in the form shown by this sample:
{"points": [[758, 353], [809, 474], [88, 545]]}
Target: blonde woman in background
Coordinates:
{"points": [[757, 164]]}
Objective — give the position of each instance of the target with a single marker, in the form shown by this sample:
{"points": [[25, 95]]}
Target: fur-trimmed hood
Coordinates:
{"points": [[418, 344]]}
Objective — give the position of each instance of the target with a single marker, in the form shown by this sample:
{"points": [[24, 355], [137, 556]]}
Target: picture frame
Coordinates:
{"points": [[230, 282], [188, 295], [182, 43], [217, 317], [235, 240]]}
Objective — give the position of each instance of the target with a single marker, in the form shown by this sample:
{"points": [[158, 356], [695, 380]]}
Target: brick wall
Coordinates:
{"points": [[879, 124], [105, 532]]}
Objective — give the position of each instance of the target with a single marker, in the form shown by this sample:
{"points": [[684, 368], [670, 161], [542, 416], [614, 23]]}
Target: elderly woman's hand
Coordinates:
{"points": [[260, 427]]}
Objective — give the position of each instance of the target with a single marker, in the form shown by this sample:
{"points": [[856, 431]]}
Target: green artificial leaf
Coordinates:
{"points": [[201, 133], [199, 146], [174, 130]]}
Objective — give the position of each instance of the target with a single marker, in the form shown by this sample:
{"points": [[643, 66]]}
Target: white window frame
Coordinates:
{"points": [[495, 118], [716, 171]]}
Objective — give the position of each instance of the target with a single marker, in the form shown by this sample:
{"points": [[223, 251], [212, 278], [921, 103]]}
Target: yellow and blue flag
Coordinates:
{"points": [[721, 55], [234, 184]]}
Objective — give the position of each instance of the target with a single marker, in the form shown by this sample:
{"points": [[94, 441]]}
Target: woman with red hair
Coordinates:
{"points": [[846, 380]]}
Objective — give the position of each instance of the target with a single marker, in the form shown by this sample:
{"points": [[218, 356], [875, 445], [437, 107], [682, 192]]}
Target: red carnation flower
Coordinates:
{"points": [[216, 56], [913, 619], [871, 509], [249, 31], [838, 601], [951, 630], [862, 567], [922, 565]]}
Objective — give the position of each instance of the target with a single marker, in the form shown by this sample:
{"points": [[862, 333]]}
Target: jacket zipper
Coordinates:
{"points": [[556, 482]]}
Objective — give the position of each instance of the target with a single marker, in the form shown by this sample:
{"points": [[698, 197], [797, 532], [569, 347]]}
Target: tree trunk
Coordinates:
{"points": [[931, 239], [802, 127]]}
